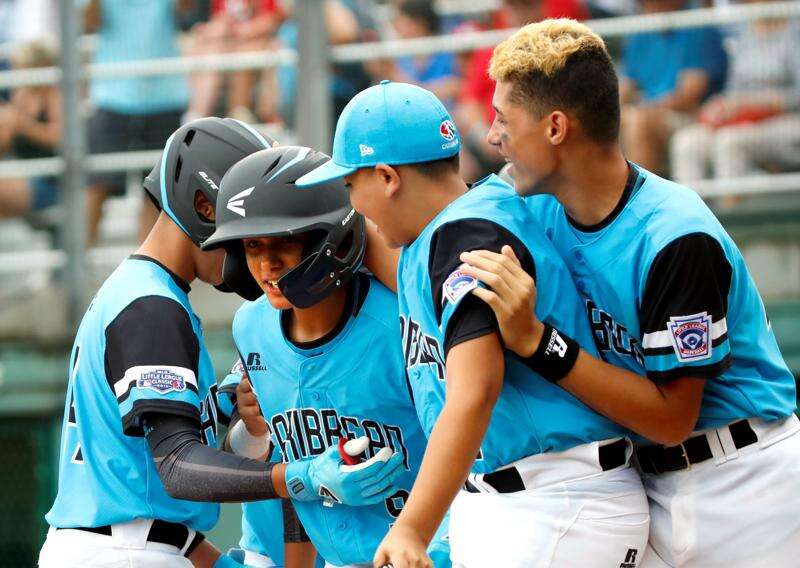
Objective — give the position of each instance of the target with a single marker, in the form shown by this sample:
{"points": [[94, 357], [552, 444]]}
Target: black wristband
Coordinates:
{"points": [[555, 356]]}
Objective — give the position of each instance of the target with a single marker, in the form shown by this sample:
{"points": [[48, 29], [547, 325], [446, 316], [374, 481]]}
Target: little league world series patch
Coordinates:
{"points": [[457, 286], [161, 380], [691, 336]]}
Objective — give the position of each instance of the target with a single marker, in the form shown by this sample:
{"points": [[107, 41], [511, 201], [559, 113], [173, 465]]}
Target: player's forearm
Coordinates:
{"points": [[474, 379], [192, 471], [452, 447], [664, 413]]}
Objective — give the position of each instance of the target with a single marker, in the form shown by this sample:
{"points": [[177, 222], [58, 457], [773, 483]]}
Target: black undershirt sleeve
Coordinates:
{"points": [[151, 332], [473, 317], [192, 471], [688, 281]]}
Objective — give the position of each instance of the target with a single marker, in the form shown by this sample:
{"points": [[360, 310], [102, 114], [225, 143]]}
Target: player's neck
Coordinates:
{"points": [[167, 244], [310, 324], [430, 197], [592, 183]]}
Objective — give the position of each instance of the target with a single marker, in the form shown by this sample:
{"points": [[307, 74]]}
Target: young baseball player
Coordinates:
{"points": [[550, 483], [696, 368], [320, 342], [137, 455]]}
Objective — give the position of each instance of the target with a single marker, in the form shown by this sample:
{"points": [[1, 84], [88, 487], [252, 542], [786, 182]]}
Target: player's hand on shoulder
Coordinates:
{"points": [[249, 410], [511, 295], [329, 478], [402, 547]]}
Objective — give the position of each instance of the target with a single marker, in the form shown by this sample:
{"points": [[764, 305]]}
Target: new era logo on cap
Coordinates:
{"points": [[390, 123]]}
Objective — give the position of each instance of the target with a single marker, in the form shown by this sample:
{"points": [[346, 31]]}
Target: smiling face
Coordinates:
{"points": [[522, 139], [269, 258]]}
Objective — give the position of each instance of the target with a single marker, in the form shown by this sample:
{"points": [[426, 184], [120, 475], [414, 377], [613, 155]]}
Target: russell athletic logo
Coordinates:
{"points": [[236, 203]]}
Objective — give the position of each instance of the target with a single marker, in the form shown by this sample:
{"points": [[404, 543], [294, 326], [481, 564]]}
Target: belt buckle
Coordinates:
{"points": [[685, 457]]}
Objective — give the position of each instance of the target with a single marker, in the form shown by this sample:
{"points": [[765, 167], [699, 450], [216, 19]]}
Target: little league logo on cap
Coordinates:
{"points": [[390, 123]]}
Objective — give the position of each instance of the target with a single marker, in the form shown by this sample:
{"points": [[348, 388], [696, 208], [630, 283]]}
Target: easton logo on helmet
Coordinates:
{"points": [[236, 203]]}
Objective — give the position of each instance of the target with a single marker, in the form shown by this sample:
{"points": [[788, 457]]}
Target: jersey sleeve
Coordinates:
{"points": [[151, 361], [461, 315], [683, 310]]}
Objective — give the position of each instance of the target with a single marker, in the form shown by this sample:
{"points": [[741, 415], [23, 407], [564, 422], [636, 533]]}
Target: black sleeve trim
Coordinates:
{"points": [[463, 235], [690, 275], [474, 318], [697, 372], [132, 421], [151, 330]]}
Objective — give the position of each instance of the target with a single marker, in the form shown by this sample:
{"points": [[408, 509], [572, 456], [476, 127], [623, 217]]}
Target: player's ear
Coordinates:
{"points": [[204, 207], [390, 179], [557, 126]]}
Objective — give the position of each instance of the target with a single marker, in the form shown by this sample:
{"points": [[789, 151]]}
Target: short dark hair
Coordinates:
{"points": [[437, 168], [561, 64]]}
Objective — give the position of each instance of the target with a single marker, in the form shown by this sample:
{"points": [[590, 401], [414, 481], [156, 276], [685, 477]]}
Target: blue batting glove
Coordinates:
{"points": [[326, 477]]}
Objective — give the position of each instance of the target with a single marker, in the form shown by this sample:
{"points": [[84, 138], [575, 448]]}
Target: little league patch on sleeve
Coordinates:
{"points": [[691, 336], [457, 286], [162, 381]]}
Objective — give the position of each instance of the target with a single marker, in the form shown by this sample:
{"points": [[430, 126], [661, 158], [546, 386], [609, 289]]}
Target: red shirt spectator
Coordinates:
{"points": [[243, 9]]}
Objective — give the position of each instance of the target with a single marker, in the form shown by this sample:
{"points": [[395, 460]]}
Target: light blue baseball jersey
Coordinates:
{"points": [[668, 295], [531, 416], [349, 384], [139, 349]]}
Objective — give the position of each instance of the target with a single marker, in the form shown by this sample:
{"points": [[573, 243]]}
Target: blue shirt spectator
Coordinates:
{"points": [[132, 30], [432, 68], [654, 60]]}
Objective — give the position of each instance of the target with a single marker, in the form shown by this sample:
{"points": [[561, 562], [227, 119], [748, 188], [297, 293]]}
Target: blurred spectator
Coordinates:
{"points": [[474, 112], [342, 20], [32, 20], [235, 26], [30, 127], [137, 112], [436, 72], [756, 119], [665, 78]]}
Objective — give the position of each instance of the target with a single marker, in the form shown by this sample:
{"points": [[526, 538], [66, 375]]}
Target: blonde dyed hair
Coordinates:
{"points": [[562, 65], [543, 47]]}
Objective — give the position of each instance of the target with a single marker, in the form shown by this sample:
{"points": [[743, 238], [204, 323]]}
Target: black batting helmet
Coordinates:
{"points": [[194, 159], [258, 198]]}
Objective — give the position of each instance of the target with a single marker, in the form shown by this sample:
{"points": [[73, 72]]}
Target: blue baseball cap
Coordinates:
{"points": [[390, 123]]}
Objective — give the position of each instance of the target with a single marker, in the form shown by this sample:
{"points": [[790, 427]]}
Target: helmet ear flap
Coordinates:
{"points": [[236, 275]]}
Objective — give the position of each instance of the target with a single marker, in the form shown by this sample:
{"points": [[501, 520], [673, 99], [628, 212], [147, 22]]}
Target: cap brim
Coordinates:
{"points": [[326, 172]]}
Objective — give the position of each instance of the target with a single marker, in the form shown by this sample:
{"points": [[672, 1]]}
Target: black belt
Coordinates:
{"points": [[509, 480], [663, 459], [174, 534]]}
